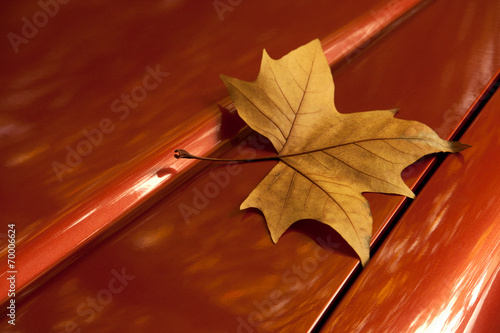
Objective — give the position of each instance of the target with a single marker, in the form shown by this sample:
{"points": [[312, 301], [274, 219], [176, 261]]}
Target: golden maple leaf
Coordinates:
{"points": [[326, 159]]}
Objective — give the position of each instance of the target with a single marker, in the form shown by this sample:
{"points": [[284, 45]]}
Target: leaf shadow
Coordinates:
{"points": [[460, 158], [324, 235], [230, 123], [166, 172], [249, 212]]}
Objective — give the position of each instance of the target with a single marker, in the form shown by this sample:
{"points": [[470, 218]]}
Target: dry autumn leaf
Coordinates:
{"points": [[326, 159]]}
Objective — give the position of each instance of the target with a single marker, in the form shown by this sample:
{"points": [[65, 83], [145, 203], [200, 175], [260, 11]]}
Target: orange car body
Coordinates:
{"points": [[113, 234]]}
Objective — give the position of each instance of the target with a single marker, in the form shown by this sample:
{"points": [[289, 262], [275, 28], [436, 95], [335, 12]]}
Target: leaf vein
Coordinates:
{"points": [[282, 92], [363, 172], [255, 106], [332, 198], [287, 194], [302, 99]]}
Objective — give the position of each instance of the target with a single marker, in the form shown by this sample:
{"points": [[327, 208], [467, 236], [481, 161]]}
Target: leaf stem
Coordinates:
{"points": [[181, 153]]}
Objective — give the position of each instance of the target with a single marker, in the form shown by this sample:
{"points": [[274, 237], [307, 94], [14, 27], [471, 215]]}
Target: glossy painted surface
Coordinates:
{"points": [[67, 77], [216, 269], [439, 269], [127, 189]]}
